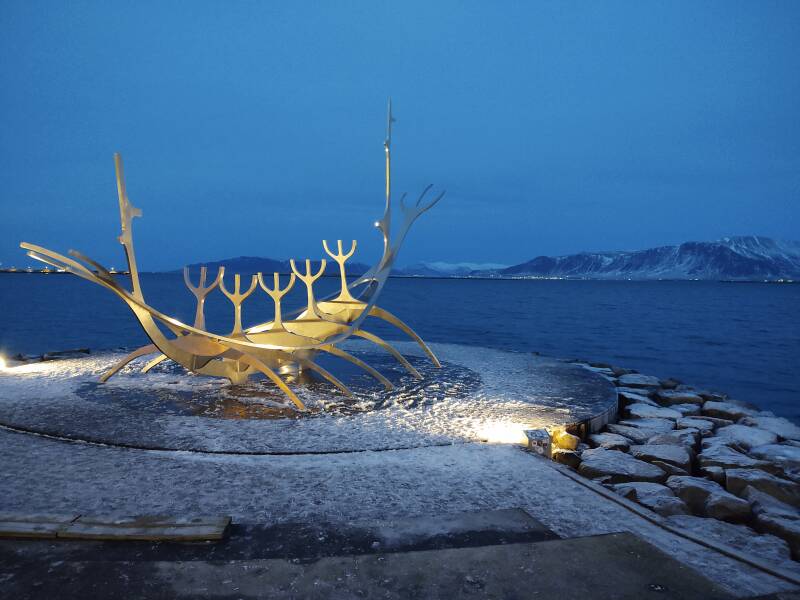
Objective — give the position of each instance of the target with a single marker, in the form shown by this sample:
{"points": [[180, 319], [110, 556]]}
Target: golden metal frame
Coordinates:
{"points": [[274, 347]]}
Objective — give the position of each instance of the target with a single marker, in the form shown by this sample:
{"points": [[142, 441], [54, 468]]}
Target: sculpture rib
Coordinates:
{"points": [[143, 351], [385, 315], [360, 363], [260, 366], [390, 349], [156, 361]]}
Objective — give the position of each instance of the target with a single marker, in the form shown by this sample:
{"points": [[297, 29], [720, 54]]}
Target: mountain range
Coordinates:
{"points": [[743, 258]]}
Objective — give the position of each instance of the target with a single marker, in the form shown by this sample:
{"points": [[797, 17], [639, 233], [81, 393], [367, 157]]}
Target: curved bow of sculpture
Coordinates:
{"points": [[286, 343]]}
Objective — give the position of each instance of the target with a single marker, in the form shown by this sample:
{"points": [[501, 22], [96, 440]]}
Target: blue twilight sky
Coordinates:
{"points": [[256, 128]]}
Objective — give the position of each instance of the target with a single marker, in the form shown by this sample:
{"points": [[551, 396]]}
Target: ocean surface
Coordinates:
{"points": [[738, 338]]}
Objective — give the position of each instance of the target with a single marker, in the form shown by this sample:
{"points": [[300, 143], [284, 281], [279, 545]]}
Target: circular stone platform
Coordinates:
{"points": [[478, 394]]}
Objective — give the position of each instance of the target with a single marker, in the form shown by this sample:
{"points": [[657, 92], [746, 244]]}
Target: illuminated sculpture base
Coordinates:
{"points": [[479, 394]]}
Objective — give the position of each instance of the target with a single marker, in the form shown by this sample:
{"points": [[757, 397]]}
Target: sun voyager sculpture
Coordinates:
{"points": [[285, 344]]}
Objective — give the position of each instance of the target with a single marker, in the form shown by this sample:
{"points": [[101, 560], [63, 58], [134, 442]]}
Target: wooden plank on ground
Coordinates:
{"points": [[33, 526], [147, 528]]}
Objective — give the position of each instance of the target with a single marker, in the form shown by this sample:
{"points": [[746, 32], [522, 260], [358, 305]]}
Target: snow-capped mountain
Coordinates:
{"points": [[744, 258], [445, 269]]}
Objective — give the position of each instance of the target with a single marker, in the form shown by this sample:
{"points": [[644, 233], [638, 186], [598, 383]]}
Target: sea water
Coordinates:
{"points": [[739, 338]]}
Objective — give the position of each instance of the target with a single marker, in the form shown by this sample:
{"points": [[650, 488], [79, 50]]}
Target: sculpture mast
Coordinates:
{"points": [[387, 146], [127, 212]]}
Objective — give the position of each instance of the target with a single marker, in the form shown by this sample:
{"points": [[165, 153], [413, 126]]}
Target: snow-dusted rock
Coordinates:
{"points": [[708, 498], [763, 503], [738, 480], [727, 507], [670, 383], [629, 398], [686, 438], [566, 457], [658, 498], [634, 434], [765, 547], [607, 371], [776, 518], [654, 424], [746, 437], [726, 410], [635, 391], [704, 426], [669, 468], [720, 455], [609, 441], [781, 454], [716, 421], [709, 395], [645, 411], [716, 474], [637, 380], [613, 466], [781, 427], [686, 410], [671, 454], [668, 397]]}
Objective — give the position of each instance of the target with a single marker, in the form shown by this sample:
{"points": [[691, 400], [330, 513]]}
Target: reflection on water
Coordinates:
{"points": [[168, 390]]}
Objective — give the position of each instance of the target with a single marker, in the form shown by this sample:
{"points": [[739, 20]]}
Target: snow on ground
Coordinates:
{"points": [[43, 475], [478, 394], [39, 475]]}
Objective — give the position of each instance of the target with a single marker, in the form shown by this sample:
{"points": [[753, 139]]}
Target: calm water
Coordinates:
{"points": [[743, 339]]}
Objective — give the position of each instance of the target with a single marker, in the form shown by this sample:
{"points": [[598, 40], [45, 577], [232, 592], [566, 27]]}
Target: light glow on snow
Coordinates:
{"points": [[503, 432]]}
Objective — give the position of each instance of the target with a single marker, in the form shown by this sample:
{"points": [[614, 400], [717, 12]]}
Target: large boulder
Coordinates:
{"points": [[719, 455], [613, 466], [657, 425], [635, 434], [646, 411], [765, 547], [714, 474], [686, 438], [629, 398], [777, 518], [738, 480], [704, 426], [746, 437], [785, 455], [686, 410], [668, 397], [670, 383], [716, 421], [781, 427], [609, 441], [763, 503], [635, 391], [709, 395], [637, 380], [708, 498], [667, 453], [727, 410], [658, 498], [669, 468], [566, 457]]}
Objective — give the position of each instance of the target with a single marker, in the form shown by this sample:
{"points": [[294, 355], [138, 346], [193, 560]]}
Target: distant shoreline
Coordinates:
{"points": [[461, 277]]}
